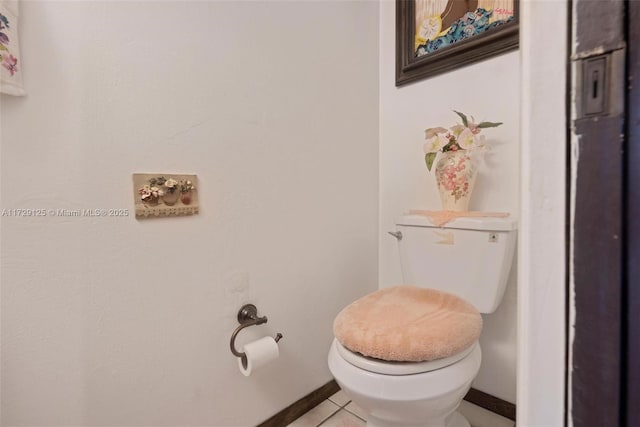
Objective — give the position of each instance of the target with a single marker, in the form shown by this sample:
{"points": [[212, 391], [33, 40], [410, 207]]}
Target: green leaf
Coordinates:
{"points": [[3, 47], [465, 122], [429, 158], [485, 125]]}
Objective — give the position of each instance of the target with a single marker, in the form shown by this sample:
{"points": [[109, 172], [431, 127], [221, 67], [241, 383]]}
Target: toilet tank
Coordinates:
{"points": [[469, 257]]}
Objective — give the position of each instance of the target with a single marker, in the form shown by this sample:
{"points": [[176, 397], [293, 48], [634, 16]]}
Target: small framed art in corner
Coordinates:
{"points": [[436, 36]]}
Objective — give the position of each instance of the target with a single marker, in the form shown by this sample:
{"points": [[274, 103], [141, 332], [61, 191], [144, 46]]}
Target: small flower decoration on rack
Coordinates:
{"points": [[165, 194], [150, 194], [186, 187], [171, 184], [169, 189], [463, 136]]}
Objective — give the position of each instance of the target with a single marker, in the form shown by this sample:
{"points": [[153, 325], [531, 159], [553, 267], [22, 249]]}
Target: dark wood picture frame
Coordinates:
{"points": [[410, 68]]}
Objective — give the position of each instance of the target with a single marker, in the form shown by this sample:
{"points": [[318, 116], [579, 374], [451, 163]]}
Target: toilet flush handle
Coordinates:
{"points": [[396, 234]]}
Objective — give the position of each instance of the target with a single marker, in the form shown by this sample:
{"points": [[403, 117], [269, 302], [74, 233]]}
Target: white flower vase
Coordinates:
{"points": [[456, 176], [170, 199]]}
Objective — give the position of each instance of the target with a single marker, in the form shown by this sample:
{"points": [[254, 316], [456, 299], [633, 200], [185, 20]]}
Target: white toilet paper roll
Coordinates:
{"points": [[259, 353]]}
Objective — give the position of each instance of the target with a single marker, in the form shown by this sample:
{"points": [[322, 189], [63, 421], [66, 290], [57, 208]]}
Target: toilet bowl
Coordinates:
{"points": [[407, 354], [411, 394]]}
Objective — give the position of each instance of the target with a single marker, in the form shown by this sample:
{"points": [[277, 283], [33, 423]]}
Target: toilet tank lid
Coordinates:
{"points": [[491, 222]]}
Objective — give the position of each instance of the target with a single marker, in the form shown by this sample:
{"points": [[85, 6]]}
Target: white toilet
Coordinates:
{"points": [[407, 355]]}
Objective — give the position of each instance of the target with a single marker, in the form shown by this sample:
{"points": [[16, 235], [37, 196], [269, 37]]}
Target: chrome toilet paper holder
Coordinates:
{"points": [[247, 316]]}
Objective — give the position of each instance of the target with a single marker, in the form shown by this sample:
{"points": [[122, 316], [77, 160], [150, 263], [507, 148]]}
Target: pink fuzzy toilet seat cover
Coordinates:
{"points": [[408, 324]]}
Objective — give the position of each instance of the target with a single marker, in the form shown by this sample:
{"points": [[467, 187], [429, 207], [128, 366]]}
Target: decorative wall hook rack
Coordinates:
{"points": [[247, 316]]}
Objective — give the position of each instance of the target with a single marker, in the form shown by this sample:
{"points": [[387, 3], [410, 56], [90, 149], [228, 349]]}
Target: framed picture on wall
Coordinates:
{"points": [[436, 36]]}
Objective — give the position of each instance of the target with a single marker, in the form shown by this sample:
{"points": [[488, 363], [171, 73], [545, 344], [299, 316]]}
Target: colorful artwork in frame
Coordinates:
{"points": [[436, 36]]}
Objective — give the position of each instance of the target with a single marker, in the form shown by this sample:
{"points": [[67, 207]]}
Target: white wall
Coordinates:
{"points": [[542, 244], [114, 321], [488, 90]]}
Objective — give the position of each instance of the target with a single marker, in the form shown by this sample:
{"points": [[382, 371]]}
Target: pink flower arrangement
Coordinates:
{"points": [[10, 62], [150, 193], [463, 136]]}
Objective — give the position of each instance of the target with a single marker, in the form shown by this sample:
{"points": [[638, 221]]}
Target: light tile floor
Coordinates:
{"points": [[339, 411]]}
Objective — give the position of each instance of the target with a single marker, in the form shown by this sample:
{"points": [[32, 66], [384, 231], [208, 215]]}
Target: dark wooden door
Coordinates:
{"points": [[632, 279], [597, 394], [606, 350]]}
